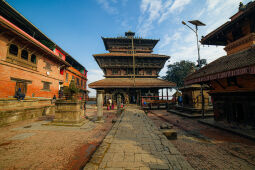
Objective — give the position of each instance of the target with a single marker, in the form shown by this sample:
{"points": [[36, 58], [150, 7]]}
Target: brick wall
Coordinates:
{"points": [[34, 76], [72, 72]]}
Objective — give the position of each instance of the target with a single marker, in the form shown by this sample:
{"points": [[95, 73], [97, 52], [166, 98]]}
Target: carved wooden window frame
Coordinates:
{"points": [[46, 86], [17, 60]]}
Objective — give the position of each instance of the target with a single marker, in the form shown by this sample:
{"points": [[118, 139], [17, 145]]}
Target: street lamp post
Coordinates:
{"points": [[198, 23]]}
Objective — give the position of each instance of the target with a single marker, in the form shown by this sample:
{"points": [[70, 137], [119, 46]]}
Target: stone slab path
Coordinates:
{"points": [[135, 142]]}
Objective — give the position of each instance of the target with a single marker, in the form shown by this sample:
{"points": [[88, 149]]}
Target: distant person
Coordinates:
{"points": [[60, 94], [19, 95], [112, 105], [110, 102], [180, 100], [54, 99]]}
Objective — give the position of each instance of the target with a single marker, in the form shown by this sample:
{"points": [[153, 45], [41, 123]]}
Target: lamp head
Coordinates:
{"points": [[184, 23], [197, 23]]}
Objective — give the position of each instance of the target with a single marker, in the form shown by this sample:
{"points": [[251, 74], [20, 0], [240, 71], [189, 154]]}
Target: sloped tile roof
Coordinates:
{"points": [[129, 83], [226, 66], [213, 38], [126, 54]]}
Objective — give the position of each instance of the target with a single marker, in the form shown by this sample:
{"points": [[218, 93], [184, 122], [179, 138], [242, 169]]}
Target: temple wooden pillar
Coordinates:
{"points": [[99, 104], [167, 93], [118, 104]]}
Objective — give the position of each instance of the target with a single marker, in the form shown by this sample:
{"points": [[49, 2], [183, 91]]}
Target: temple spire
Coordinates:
{"points": [[129, 34]]}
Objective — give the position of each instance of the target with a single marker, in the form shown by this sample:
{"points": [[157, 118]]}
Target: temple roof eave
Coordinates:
{"points": [[227, 66], [131, 55], [130, 83], [153, 42], [217, 34]]}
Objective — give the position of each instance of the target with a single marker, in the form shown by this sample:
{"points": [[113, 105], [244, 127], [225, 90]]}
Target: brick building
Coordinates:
{"points": [[78, 73], [232, 77], [30, 60]]}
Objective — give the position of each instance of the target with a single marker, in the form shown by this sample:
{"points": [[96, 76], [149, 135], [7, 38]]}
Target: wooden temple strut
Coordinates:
{"points": [[133, 59], [217, 81]]}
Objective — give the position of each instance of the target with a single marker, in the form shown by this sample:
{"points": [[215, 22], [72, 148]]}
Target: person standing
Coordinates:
{"points": [[110, 102]]}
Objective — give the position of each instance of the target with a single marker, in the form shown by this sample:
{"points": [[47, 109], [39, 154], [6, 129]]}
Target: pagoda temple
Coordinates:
{"points": [[130, 69], [232, 77]]}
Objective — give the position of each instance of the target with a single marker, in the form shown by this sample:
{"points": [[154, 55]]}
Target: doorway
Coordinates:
{"points": [[22, 86]]}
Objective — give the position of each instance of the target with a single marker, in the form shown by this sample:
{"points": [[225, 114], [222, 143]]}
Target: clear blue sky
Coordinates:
{"points": [[77, 25]]}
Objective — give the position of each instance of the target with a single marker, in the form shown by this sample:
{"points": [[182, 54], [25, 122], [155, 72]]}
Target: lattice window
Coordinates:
{"points": [[24, 54], [46, 85], [33, 58], [13, 49]]}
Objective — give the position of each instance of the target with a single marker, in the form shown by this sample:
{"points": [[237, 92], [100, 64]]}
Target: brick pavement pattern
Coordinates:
{"points": [[135, 142], [206, 147], [30, 145]]}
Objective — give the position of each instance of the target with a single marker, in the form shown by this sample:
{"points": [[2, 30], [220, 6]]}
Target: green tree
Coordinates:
{"points": [[178, 71], [71, 91]]}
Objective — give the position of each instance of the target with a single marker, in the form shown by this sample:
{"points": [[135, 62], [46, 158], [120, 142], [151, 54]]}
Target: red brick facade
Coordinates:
{"points": [[79, 78], [41, 77], [30, 61]]}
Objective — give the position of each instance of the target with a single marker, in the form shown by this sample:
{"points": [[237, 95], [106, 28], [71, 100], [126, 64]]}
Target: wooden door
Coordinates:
{"points": [[22, 86]]}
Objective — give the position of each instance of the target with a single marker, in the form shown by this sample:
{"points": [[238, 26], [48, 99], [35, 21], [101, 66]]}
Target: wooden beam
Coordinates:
{"points": [[217, 81], [162, 93], [11, 40], [252, 23], [2, 33]]}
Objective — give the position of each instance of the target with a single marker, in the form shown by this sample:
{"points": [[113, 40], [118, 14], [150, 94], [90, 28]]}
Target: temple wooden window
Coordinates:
{"points": [[149, 72], [237, 33], [13, 49], [77, 81], [33, 58], [84, 84], [129, 71], [115, 71], [81, 83], [24, 54], [232, 81], [137, 72], [46, 85], [66, 77]]}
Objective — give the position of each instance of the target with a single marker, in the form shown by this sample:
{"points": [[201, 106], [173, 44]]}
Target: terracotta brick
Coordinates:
{"points": [[10, 70]]}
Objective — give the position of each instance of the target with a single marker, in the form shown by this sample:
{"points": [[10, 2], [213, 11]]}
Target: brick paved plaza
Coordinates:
{"points": [[206, 147], [30, 145], [136, 143], [133, 142]]}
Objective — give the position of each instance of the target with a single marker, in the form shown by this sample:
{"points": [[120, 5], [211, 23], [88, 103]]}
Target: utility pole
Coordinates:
{"points": [[198, 23]]}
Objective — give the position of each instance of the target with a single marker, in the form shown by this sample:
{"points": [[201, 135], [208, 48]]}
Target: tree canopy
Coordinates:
{"points": [[178, 71]]}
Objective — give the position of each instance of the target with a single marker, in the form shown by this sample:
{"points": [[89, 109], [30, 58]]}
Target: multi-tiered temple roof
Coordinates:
{"points": [[123, 44], [127, 54]]}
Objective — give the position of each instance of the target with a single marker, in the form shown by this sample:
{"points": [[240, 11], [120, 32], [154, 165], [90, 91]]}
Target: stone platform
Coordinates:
{"points": [[189, 115], [135, 142], [244, 131]]}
